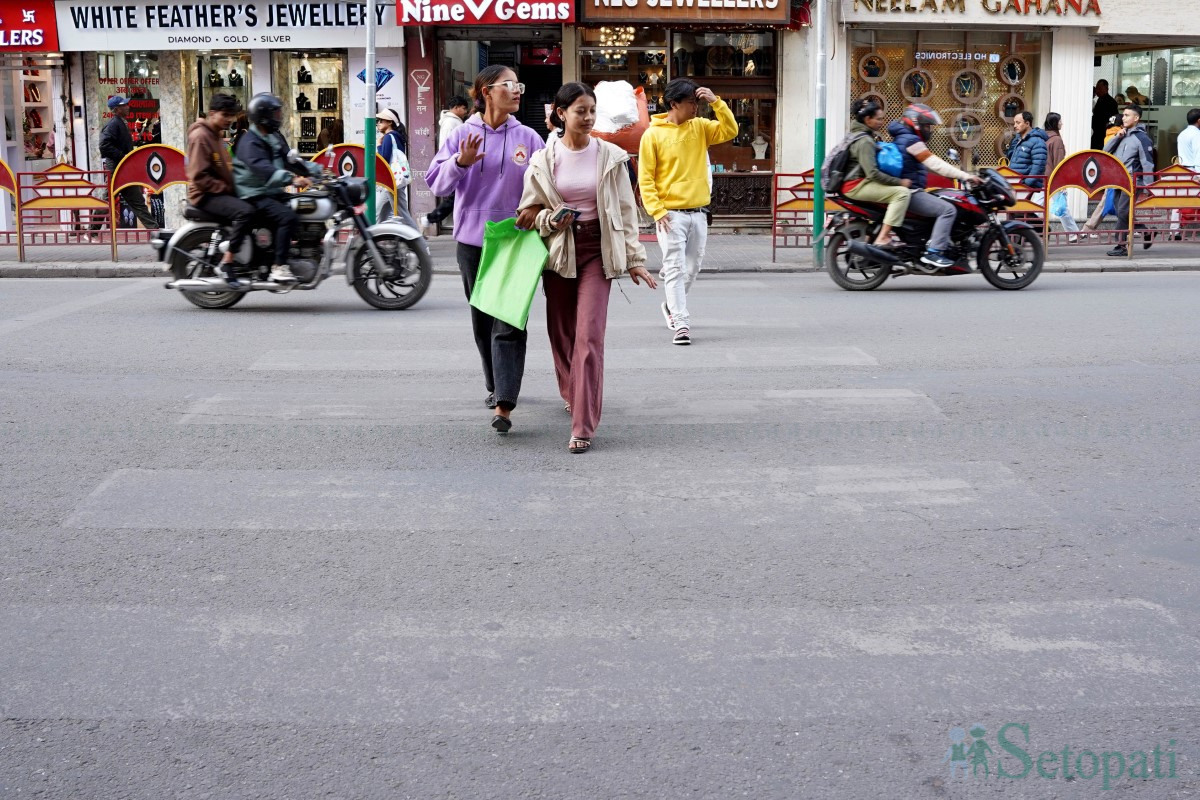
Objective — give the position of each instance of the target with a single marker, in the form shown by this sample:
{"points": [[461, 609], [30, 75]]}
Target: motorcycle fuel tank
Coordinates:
{"points": [[964, 203], [312, 207]]}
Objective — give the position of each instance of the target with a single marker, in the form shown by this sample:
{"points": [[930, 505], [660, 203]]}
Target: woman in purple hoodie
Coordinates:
{"points": [[482, 164]]}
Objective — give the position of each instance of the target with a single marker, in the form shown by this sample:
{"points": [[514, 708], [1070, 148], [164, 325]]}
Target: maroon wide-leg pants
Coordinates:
{"points": [[576, 319]]}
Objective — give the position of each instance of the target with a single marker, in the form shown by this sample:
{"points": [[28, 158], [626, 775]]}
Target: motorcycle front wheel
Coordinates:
{"points": [[190, 260], [1014, 270], [852, 272], [410, 272]]}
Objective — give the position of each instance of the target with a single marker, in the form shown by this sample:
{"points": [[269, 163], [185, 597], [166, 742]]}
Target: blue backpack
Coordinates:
{"points": [[889, 158]]}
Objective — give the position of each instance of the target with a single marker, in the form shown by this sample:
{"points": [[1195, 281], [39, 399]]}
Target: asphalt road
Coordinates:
{"points": [[277, 552]]}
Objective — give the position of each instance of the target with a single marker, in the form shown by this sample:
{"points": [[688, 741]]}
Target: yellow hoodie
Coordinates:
{"points": [[672, 162]]}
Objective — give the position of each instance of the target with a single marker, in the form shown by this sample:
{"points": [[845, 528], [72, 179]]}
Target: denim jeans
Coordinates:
{"points": [[682, 254], [501, 346]]}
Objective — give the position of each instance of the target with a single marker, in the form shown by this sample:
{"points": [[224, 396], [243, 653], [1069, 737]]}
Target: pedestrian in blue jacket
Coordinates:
{"points": [[1027, 151]]}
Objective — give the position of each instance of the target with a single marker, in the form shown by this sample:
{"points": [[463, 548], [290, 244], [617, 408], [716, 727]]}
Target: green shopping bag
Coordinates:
{"points": [[509, 270]]}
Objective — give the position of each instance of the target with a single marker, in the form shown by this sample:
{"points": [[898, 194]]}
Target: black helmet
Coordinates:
{"points": [[265, 111], [921, 118]]}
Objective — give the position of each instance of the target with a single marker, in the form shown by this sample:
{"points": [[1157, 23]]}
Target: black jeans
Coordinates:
{"points": [[284, 223], [501, 346], [237, 213], [1121, 210], [135, 199]]}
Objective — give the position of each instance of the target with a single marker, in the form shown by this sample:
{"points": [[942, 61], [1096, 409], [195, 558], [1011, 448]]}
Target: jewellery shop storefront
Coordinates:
{"points": [[312, 56], [733, 51], [978, 63]]}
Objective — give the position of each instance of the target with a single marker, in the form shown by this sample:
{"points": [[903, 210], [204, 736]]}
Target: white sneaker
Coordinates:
{"points": [[280, 273], [667, 316]]}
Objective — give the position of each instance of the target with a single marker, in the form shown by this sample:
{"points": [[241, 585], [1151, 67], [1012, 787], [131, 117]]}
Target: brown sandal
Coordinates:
{"points": [[579, 445]]}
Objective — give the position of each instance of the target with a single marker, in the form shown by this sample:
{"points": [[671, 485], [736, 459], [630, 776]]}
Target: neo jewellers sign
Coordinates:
{"points": [[484, 12], [156, 25], [28, 26]]}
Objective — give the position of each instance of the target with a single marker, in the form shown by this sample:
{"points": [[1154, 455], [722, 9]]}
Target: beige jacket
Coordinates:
{"points": [[620, 249]]}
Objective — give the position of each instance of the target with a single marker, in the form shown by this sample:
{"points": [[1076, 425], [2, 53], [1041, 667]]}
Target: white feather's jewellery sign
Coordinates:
{"points": [[200, 26]]}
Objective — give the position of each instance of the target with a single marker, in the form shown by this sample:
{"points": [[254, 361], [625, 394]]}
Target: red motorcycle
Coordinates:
{"points": [[1009, 254]]}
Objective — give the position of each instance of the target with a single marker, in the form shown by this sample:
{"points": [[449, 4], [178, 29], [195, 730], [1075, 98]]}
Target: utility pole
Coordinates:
{"points": [[819, 136], [369, 121]]}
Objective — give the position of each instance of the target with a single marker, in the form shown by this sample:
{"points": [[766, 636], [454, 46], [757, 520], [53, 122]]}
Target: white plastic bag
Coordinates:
{"points": [[616, 106]]}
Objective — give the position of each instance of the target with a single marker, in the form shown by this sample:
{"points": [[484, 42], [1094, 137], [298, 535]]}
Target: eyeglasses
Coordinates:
{"points": [[512, 86]]}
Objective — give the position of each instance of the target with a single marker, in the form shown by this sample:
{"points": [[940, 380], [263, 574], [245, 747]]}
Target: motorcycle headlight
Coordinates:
{"points": [[356, 190]]}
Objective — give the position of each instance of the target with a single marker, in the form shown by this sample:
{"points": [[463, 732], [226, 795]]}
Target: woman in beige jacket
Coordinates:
{"points": [[589, 221]]}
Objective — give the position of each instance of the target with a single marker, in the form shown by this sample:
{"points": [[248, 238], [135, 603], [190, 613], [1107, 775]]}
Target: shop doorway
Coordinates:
{"points": [[538, 64]]}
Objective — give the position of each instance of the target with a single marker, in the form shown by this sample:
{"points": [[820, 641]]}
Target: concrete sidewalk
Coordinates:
{"points": [[726, 253]]}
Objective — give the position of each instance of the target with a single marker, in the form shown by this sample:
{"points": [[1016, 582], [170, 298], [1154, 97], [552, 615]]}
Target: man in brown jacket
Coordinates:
{"points": [[210, 175]]}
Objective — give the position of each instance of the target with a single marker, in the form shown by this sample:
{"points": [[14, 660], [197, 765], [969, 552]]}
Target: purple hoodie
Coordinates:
{"points": [[490, 190]]}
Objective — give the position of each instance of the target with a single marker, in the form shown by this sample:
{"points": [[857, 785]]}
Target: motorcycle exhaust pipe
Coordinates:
{"points": [[876, 254], [219, 285]]}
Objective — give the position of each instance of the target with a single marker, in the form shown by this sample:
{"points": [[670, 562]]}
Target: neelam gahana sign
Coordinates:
{"points": [[1025, 8]]}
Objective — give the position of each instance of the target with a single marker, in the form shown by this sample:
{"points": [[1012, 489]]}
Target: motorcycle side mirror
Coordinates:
{"points": [[952, 156]]}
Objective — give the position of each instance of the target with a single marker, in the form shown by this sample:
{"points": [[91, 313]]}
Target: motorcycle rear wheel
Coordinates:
{"points": [[413, 273], [190, 260], [1011, 272], [852, 273]]}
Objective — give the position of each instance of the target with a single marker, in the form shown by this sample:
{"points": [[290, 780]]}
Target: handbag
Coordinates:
{"points": [[400, 169], [1058, 205], [509, 269], [1109, 200], [889, 159]]}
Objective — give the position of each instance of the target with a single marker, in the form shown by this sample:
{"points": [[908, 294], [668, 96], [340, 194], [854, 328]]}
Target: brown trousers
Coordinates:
{"points": [[576, 319]]}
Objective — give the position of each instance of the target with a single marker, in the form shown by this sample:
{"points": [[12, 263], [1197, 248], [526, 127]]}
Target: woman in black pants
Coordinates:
{"points": [[483, 165]]}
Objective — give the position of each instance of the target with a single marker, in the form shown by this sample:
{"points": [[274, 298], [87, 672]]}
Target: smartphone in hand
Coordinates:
{"points": [[562, 214]]}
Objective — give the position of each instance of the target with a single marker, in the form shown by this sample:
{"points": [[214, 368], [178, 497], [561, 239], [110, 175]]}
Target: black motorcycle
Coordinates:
{"points": [[1009, 254], [388, 264]]}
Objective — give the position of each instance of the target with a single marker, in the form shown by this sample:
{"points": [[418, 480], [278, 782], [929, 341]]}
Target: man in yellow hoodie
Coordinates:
{"points": [[674, 179]]}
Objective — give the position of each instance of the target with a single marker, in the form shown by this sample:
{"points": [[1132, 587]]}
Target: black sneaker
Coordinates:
{"points": [[935, 259], [1118, 251], [230, 277]]}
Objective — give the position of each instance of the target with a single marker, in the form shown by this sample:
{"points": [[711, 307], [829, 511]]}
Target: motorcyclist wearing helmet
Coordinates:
{"points": [[262, 172], [910, 134], [864, 180]]}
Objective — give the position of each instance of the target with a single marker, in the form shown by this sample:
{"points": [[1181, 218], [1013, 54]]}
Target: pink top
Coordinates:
{"points": [[575, 178]]}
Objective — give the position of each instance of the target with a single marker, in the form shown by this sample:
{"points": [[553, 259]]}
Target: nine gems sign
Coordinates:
{"points": [[1025, 7]]}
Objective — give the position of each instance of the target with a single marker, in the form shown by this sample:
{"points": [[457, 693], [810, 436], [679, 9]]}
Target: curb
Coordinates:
{"points": [[446, 266]]}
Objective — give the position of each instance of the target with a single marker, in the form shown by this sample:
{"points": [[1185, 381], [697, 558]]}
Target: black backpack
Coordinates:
{"points": [[837, 163]]}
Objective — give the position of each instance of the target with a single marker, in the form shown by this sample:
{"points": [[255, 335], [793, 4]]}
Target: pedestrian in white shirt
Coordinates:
{"points": [[1188, 143], [1188, 146]]}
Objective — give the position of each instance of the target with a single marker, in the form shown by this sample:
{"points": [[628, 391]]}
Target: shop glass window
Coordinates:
{"points": [[311, 85], [743, 55], [223, 72], [978, 82], [135, 75]]}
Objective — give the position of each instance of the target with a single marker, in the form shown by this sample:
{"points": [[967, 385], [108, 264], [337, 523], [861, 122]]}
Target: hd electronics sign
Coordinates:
{"points": [[484, 12], [28, 26]]}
